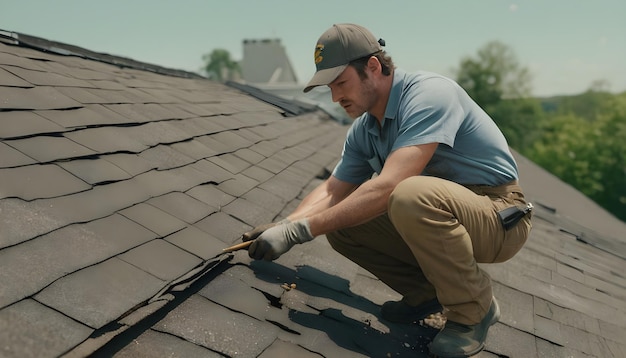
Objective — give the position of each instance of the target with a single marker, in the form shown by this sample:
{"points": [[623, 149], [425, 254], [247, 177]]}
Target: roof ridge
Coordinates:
{"points": [[60, 48]]}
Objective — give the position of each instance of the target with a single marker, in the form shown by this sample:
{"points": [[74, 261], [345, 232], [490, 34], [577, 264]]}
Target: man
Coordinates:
{"points": [[416, 196]]}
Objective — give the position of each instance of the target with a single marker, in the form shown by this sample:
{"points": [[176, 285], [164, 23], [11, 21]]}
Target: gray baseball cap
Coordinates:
{"points": [[337, 47]]}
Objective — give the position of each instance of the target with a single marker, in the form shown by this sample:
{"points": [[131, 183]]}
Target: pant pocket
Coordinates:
{"points": [[514, 240]]}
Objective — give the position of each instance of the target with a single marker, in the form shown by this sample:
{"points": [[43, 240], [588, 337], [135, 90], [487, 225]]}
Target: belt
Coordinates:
{"points": [[500, 190], [509, 217]]}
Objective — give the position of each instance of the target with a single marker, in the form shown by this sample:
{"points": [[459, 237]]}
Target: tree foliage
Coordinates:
{"points": [[588, 152], [581, 139], [493, 74], [220, 66]]}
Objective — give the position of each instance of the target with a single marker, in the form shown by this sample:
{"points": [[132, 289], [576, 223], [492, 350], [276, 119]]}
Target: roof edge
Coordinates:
{"points": [[60, 48]]}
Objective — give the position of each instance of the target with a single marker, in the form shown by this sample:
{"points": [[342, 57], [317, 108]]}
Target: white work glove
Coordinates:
{"points": [[277, 240], [254, 233]]}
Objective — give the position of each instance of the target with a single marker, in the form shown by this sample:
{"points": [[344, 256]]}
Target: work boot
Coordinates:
{"points": [[460, 340], [402, 312]]}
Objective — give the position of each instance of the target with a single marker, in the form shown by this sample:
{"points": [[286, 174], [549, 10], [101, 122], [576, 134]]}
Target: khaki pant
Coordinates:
{"points": [[431, 239]]}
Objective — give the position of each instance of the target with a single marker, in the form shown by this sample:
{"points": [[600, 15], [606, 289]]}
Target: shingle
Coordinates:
{"points": [[237, 296], [273, 165], [210, 195], [222, 331], [259, 117], [82, 73], [95, 171], [161, 259], [214, 145], [250, 134], [244, 103], [106, 84], [90, 115], [194, 149], [34, 98], [10, 157], [35, 219], [266, 148], [182, 206], [39, 181], [259, 174], [230, 162], [548, 330], [281, 187], [231, 140], [509, 342], [100, 294], [222, 226], [286, 349], [238, 185], [249, 156], [155, 112], [130, 112], [93, 95], [107, 140], [198, 242], [132, 164], [165, 157], [264, 198], [252, 213], [155, 344], [519, 315], [612, 331], [31, 266], [20, 123], [179, 179], [154, 219], [29, 329], [46, 149], [103, 201], [8, 58], [196, 127], [46, 78], [8, 79], [213, 172]]}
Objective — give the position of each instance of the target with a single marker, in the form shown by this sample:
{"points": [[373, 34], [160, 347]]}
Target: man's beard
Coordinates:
{"points": [[367, 98]]}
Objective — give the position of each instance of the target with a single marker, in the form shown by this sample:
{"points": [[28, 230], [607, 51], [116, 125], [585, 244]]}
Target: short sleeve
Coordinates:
{"points": [[354, 165], [429, 113]]}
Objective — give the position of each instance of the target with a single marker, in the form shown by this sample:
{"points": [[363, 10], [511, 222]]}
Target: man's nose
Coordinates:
{"points": [[335, 94]]}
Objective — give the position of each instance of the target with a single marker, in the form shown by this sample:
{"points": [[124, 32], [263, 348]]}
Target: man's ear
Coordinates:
{"points": [[373, 65]]}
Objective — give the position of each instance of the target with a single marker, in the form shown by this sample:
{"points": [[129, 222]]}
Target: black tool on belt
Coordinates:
{"points": [[509, 217]]}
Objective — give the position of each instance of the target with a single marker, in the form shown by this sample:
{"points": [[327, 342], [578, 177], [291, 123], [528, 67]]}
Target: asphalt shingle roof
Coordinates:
{"points": [[121, 183]]}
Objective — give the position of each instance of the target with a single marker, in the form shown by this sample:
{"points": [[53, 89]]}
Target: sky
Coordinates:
{"points": [[566, 44]]}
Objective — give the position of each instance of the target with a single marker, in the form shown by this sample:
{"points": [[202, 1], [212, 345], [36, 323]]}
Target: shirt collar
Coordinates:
{"points": [[392, 103], [394, 95]]}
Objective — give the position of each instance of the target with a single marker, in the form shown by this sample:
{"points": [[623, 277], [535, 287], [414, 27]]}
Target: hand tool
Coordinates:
{"points": [[239, 246]]}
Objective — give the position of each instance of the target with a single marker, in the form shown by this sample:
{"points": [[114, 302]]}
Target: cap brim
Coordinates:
{"points": [[324, 77]]}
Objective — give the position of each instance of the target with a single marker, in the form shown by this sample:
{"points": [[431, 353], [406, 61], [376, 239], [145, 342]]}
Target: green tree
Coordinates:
{"points": [[494, 74], [220, 66], [588, 153], [519, 120], [495, 79]]}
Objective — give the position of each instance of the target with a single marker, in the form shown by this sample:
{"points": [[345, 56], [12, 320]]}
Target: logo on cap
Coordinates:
{"points": [[318, 53]]}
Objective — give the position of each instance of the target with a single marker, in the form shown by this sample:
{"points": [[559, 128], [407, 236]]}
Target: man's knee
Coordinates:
{"points": [[407, 196]]}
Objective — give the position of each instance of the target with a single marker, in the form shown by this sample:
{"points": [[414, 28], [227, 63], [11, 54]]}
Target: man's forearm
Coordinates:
{"points": [[365, 203], [321, 198]]}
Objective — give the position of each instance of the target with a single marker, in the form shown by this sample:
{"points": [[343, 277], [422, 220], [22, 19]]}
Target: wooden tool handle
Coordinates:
{"points": [[240, 246]]}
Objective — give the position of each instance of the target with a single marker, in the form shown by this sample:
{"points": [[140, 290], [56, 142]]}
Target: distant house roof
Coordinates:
{"points": [[265, 61], [121, 183]]}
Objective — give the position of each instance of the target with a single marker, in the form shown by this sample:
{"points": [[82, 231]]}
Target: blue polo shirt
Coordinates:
{"points": [[423, 108]]}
